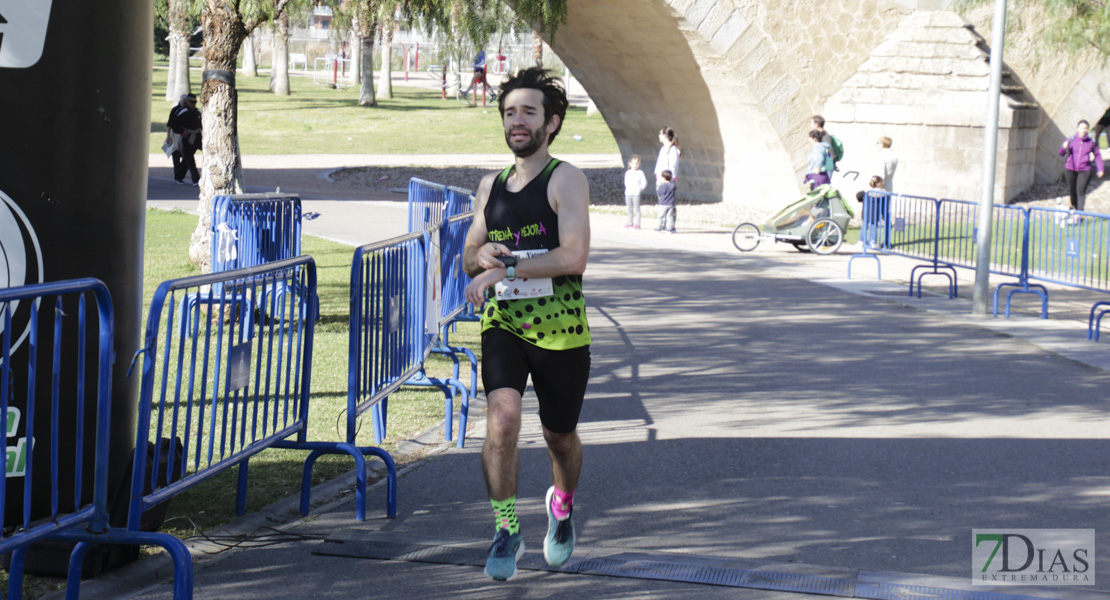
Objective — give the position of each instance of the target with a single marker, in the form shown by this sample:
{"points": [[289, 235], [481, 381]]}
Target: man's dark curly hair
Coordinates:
{"points": [[554, 96]]}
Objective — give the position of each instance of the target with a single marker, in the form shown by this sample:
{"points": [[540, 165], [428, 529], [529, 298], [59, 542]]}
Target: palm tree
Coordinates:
{"points": [[364, 24], [385, 83], [250, 61], [178, 19], [279, 64], [226, 24]]}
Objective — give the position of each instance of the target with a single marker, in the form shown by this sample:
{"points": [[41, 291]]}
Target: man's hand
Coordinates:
{"points": [[476, 291], [488, 253]]}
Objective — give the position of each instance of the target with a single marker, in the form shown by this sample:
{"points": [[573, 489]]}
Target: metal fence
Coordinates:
{"points": [[1059, 246], [427, 204], [453, 304], [254, 229], [458, 201], [227, 375], [68, 353], [907, 226]]}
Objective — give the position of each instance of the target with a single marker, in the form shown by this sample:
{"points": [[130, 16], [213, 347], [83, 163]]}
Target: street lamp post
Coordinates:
{"points": [[990, 154]]}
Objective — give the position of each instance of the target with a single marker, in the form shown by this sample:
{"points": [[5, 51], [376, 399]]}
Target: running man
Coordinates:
{"points": [[480, 77], [527, 249]]}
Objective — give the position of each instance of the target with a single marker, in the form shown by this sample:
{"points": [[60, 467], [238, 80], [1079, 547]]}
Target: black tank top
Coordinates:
{"points": [[524, 220]]}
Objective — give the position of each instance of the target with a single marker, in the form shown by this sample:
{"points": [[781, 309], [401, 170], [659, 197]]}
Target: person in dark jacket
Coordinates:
{"points": [[1079, 149], [183, 128]]}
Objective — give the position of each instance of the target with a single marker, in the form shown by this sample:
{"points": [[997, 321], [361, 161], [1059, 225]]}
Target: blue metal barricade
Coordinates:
{"points": [[87, 385], [459, 201], [454, 277], [228, 374], [912, 230], [453, 304], [386, 345], [874, 228], [1070, 248], [958, 237], [254, 229], [430, 206], [427, 203], [1052, 245]]}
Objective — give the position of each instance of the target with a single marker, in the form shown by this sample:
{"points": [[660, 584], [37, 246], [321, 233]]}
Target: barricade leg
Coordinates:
{"points": [[15, 574], [306, 479], [390, 482], [73, 574], [358, 453], [878, 263], [953, 290], [1093, 324], [446, 348], [448, 387], [1022, 288], [241, 492], [1098, 323], [178, 551], [381, 409]]}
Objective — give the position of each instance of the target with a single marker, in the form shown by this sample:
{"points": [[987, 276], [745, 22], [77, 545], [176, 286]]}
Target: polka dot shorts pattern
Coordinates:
{"points": [[556, 322]]}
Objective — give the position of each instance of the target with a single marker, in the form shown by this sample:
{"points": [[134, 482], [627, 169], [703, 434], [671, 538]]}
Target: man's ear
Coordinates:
{"points": [[553, 124]]}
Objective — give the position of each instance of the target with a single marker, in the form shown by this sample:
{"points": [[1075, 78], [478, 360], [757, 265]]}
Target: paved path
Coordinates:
{"points": [[757, 412]]}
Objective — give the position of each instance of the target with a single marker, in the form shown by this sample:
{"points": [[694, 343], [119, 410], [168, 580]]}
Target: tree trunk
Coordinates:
{"points": [[279, 72], [354, 76], [178, 81], [180, 67], [537, 48], [385, 82], [250, 62], [171, 73], [366, 90], [221, 168]]}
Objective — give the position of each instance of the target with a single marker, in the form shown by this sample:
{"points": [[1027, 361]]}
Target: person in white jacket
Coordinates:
{"points": [[668, 155], [634, 184]]}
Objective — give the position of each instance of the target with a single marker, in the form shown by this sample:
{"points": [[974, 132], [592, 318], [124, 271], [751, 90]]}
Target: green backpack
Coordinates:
{"points": [[837, 148]]}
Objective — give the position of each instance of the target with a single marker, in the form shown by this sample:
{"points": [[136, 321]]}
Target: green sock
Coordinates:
{"points": [[504, 512]]}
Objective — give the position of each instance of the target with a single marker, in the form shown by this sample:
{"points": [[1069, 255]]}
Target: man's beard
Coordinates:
{"points": [[535, 142]]}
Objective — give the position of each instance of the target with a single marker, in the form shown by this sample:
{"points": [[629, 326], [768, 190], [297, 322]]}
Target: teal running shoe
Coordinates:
{"points": [[506, 550], [559, 543]]}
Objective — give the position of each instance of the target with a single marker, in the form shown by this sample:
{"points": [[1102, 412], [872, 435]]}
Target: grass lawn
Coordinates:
{"points": [[318, 120]]}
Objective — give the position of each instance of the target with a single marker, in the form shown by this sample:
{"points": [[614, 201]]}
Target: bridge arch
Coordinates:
{"points": [[739, 79], [738, 96]]}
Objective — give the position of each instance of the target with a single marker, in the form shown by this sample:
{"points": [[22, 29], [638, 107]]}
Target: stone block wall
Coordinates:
{"points": [[1068, 88], [739, 79], [926, 87]]}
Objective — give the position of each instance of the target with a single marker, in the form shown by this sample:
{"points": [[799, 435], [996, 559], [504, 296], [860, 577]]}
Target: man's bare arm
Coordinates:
{"points": [[569, 193], [478, 253]]}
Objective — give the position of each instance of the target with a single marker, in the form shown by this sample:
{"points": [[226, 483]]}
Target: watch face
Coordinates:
{"points": [[508, 261]]}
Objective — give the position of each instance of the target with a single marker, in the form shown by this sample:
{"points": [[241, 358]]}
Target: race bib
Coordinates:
{"points": [[521, 287]]}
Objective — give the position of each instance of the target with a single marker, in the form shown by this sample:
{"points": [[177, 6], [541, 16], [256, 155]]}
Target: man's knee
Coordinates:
{"points": [[562, 443], [503, 417]]}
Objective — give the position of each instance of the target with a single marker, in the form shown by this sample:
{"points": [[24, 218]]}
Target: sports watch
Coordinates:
{"points": [[510, 262]]}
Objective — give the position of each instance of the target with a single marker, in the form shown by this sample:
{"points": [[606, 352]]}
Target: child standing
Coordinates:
{"points": [[634, 184], [665, 191]]}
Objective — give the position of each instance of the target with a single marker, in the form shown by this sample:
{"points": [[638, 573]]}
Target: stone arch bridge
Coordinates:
{"points": [[739, 79]]}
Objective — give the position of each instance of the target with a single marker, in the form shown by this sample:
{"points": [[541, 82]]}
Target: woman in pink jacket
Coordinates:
{"points": [[1077, 169]]}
